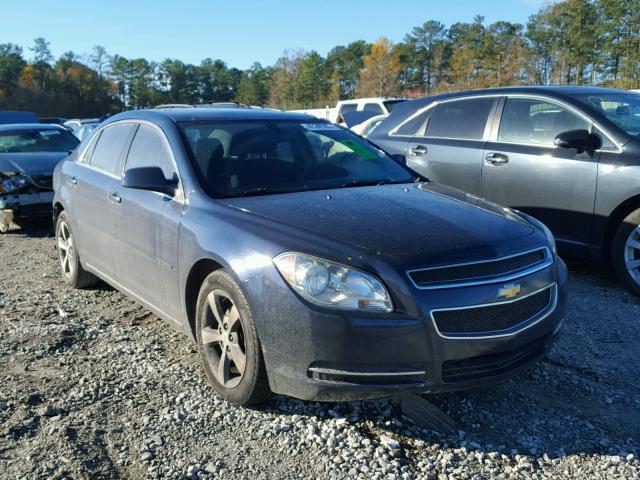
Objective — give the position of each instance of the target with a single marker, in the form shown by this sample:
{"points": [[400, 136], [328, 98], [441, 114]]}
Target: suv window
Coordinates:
{"points": [[537, 122], [465, 119], [372, 107], [348, 107], [149, 149], [108, 150]]}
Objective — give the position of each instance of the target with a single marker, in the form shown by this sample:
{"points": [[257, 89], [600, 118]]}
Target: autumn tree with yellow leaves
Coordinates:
{"points": [[379, 77]]}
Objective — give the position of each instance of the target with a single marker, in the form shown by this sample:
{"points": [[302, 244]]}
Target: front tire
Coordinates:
{"points": [[625, 252], [71, 268], [228, 341]]}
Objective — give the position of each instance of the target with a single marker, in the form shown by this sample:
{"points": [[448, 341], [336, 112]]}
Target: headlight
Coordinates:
{"points": [[11, 184], [550, 238], [333, 285]]}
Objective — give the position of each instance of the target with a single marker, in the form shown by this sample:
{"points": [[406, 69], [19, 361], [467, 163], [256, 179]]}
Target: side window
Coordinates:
{"points": [[606, 143], [108, 150], [413, 126], [372, 107], [87, 155], [464, 119], [348, 107], [536, 122], [149, 149]]}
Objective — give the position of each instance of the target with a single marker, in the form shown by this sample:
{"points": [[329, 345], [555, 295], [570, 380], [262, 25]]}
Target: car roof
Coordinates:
{"points": [[30, 126], [207, 114], [566, 92]]}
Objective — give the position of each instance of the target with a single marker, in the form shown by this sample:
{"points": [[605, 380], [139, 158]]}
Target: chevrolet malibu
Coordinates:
{"points": [[303, 260]]}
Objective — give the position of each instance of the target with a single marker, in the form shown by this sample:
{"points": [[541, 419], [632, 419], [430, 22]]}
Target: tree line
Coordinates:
{"points": [[590, 42]]}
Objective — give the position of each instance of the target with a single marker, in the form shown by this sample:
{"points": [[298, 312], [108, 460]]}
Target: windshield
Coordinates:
{"points": [[263, 157], [44, 140], [391, 104], [623, 109]]}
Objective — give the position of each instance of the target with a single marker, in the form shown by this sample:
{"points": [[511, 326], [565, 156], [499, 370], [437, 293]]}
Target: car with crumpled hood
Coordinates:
{"points": [[28, 155]]}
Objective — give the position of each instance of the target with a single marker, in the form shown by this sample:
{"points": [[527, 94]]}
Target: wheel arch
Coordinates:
{"points": [[58, 208], [615, 219], [198, 272]]}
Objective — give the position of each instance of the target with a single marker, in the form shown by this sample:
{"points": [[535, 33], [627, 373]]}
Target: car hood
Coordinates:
{"points": [[428, 220], [40, 163]]}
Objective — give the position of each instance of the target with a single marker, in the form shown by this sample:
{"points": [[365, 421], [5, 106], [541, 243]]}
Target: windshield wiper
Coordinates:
{"points": [[254, 192], [369, 183]]}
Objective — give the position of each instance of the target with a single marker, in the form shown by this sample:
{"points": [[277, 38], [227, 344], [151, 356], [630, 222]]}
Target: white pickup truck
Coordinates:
{"points": [[379, 105]]}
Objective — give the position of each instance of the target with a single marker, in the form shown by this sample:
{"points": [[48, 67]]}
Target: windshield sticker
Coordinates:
{"points": [[50, 132], [359, 149], [320, 126]]}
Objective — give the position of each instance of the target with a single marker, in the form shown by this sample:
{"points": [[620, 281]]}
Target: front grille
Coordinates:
{"points": [[491, 365], [478, 271], [494, 318], [44, 182]]}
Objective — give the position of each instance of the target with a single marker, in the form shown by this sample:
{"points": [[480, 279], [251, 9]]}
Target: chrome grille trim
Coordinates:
{"points": [[525, 324], [547, 262]]}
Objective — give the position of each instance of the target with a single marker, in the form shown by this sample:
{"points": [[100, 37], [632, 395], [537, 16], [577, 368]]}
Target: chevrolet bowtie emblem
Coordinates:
{"points": [[509, 291]]}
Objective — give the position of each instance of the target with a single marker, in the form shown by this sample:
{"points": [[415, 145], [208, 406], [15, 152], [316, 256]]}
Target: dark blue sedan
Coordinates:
{"points": [[302, 259]]}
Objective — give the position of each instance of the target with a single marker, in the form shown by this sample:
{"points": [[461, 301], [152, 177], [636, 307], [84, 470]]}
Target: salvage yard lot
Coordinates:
{"points": [[94, 386]]}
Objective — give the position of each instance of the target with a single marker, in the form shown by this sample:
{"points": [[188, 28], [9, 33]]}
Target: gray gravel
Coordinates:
{"points": [[94, 386]]}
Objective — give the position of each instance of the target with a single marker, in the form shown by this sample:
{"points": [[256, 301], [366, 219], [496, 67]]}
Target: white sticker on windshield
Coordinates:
{"points": [[320, 126], [50, 132]]}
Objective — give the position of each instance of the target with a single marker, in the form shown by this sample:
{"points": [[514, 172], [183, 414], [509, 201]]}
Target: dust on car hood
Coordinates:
{"points": [[37, 163], [393, 220]]}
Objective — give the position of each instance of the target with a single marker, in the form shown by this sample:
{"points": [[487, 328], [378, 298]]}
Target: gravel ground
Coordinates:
{"points": [[94, 386]]}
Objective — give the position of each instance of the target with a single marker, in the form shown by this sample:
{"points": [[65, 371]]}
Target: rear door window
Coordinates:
{"points": [[108, 151], [463, 119], [536, 122], [149, 149], [372, 107]]}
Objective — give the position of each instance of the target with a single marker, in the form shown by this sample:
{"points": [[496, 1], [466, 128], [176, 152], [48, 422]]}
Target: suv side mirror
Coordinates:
{"points": [[581, 140], [148, 178]]}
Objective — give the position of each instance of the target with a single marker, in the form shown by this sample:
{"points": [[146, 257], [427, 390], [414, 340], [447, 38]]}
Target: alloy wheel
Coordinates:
{"points": [[632, 254], [223, 339], [66, 250]]}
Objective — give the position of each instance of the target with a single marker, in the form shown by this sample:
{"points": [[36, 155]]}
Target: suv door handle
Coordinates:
{"points": [[114, 197], [496, 158], [418, 150], [72, 180]]}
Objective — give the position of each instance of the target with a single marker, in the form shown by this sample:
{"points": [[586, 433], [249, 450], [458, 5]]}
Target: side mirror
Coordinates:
{"points": [[400, 158], [581, 140], [148, 178]]}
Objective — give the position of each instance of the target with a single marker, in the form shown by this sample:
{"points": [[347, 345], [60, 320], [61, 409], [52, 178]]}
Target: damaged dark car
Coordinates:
{"points": [[28, 156]]}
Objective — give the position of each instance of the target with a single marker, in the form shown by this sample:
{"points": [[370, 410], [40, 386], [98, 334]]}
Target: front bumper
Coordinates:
{"points": [[337, 356], [27, 204]]}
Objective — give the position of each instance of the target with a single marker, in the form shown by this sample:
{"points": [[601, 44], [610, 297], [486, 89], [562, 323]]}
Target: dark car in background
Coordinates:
{"points": [[302, 259], [569, 156], [28, 154]]}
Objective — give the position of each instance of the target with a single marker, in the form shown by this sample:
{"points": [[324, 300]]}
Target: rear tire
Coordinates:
{"points": [[228, 341], [71, 268], [625, 252]]}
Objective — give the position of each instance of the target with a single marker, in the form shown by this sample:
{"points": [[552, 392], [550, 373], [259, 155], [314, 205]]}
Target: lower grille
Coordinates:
{"points": [[44, 182], [491, 365], [494, 318]]}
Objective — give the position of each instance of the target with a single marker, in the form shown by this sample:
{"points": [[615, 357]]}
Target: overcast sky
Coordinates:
{"points": [[239, 32]]}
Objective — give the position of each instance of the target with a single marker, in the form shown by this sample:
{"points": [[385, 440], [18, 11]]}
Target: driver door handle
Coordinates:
{"points": [[418, 150], [496, 158], [73, 180], [114, 197]]}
